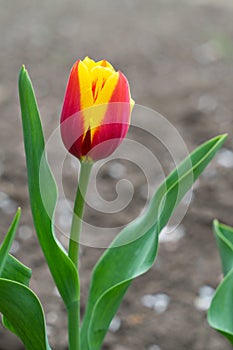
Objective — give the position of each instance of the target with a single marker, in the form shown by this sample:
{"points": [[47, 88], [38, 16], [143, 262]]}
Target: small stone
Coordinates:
{"points": [[206, 291], [207, 52], [224, 158], [207, 104], [171, 234], [15, 247], [7, 204], [50, 330], [115, 324], [56, 292], [159, 302], [51, 317], [25, 232], [205, 295], [154, 347], [116, 170]]}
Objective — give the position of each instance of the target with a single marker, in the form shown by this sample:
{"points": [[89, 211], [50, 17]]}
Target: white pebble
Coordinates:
{"points": [[171, 234], [224, 158], [207, 52], [206, 291], [56, 292], [7, 204], [116, 170], [115, 324], [154, 347], [159, 302], [15, 247], [203, 301], [50, 330], [25, 232], [207, 104], [51, 317]]}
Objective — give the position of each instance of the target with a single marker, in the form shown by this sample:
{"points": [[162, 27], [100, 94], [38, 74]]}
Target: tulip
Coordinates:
{"points": [[96, 111]]}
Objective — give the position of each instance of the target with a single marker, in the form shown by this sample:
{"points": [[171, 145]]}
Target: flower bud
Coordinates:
{"points": [[96, 111]]}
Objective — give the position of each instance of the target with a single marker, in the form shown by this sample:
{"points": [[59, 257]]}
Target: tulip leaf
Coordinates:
{"points": [[220, 316], [134, 250], [224, 239], [11, 268], [8, 240], [40, 179], [16, 271], [23, 310]]}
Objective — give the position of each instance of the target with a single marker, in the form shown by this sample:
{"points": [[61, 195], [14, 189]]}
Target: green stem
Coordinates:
{"points": [[74, 326], [78, 211], [74, 308]]}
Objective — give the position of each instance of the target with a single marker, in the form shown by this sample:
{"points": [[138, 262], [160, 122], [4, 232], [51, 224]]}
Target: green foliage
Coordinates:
{"points": [[23, 310], [6, 244], [40, 179], [16, 271], [134, 250], [220, 315]]}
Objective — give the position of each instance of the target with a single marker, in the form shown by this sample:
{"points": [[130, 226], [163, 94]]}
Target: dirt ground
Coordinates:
{"points": [[178, 58]]}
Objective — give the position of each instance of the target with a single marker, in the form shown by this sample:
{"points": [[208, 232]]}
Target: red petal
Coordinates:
{"points": [[71, 103]]}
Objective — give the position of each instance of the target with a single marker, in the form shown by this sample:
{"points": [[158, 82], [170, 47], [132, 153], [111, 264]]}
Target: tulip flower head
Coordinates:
{"points": [[96, 111]]}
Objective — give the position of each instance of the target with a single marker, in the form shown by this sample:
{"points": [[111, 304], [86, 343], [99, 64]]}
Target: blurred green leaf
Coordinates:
{"points": [[8, 240], [224, 239], [134, 250], [40, 179], [220, 315], [23, 310]]}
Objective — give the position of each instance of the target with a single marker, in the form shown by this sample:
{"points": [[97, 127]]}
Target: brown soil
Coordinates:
{"points": [[178, 57]]}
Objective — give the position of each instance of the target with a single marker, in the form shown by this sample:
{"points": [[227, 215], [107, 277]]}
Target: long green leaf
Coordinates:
{"points": [[134, 250], [16, 271], [220, 315], [40, 178], [8, 240], [11, 268], [23, 310], [224, 239]]}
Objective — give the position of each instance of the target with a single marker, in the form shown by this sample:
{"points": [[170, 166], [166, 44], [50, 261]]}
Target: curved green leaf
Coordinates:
{"points": [[39, 174], [16, 271], [220, 315], [134, 250], [11, 268], [224, 239], [8, 240], [23, 310]]}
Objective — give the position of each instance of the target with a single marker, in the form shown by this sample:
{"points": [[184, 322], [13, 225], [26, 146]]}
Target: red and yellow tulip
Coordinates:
{"points": [[96, 111]]}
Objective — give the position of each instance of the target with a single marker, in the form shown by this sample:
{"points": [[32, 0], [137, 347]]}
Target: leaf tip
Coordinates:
{"points": [[215, 223], [22, 72], [223, 136], [19, 210]]}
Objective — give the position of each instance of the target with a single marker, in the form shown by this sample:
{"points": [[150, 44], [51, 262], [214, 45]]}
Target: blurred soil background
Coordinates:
{"points": [[177, 56]]}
